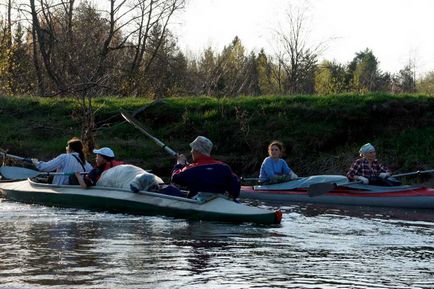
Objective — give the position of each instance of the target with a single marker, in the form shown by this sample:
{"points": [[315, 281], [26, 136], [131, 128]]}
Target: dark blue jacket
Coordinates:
{"points": [[207, 175]]}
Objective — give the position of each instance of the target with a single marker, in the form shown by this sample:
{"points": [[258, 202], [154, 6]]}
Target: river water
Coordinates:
{"points": [[314, 247]]}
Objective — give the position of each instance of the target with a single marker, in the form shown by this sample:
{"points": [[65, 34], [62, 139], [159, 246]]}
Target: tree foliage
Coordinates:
{"points": [[405, 80], [74, 48], [297, 58], [331, 78], [426, 84]]}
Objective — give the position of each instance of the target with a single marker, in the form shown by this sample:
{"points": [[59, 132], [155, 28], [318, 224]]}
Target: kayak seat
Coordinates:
{"points": [[388, 182], [172, 191], [43, 179]]}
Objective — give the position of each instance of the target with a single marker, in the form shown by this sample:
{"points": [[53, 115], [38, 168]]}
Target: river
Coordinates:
{"points": [[314, 247]]}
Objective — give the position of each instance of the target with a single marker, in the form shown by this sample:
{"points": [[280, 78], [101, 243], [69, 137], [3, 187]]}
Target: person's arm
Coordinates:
{"points": [[91, 178], [384, 171], [266, 172], [181, 162], [179, 175], [353, 171], [287, 171], [285, 168], [233, 184], [81, 181], [51, 165]]}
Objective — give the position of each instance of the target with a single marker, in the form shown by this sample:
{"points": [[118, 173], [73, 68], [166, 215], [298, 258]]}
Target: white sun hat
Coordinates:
{"points": [[105, 151]]}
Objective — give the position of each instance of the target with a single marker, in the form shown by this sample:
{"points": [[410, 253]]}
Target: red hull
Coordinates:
{"points": [[404, 196]]}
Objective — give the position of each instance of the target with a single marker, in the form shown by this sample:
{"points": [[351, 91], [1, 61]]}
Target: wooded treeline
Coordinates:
{"points": [[69, 47], [77, 49]]}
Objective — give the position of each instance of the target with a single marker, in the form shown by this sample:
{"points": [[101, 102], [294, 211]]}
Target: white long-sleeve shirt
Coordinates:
{"points": [[65, 163]]}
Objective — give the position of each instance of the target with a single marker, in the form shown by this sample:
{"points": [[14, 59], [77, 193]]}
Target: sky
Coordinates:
{"points": [[397, 31]]}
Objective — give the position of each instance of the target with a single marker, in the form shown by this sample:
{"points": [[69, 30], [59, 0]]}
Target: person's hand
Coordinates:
{"points": [[35, 162], [279, 179], [181, 160], [384, 175], [80, 180], [293, 176], [364, 180]]}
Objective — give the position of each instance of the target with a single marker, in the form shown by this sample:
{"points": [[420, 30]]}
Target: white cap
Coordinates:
{"points": [[202, 144], [105, 152]]}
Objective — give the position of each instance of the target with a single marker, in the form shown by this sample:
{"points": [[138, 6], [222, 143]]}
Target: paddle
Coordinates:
{"points": [[413, 173], [129, 118], [251, 180], [27, 160], [19, 173], [322, 188], [262, 182]]}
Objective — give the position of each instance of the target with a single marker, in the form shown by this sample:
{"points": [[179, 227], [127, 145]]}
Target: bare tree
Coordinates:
{"points": [[81, 46], [294, 54], [150, 26]]}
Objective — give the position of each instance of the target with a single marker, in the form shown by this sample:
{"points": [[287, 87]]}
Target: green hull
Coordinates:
{"points": [[144, 203]]}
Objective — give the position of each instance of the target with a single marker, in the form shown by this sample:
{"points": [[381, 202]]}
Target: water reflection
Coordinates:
{"points": [[313, 210], [315, 247]]}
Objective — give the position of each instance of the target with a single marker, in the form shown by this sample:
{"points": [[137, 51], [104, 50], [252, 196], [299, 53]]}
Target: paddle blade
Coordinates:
{"points": [[17, 173], [320, 188]]}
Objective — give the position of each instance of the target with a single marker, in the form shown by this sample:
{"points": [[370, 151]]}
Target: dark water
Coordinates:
{"points": [[315, 247]]}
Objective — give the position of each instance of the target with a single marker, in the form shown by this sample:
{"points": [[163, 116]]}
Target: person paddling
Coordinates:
{"points": [[205, 174], [368, 170], [274, 169], [71, 161], [104, 159]]}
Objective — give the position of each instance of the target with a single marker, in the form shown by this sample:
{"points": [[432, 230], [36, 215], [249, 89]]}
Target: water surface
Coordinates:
{"points": [[314, 247]]}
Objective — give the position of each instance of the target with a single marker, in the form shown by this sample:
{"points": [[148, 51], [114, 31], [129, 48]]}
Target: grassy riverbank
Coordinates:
{"points": [[322, 134]]}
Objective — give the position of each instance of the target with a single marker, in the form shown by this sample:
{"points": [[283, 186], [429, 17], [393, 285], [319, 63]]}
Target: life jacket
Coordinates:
{"points": [[207, 175], [111, 164], [94, 175]]}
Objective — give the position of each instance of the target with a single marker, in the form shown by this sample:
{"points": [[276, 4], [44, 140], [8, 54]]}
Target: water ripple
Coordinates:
{"points": [[315, 247]]}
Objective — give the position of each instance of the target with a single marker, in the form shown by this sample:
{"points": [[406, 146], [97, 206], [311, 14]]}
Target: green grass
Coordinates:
{"points": [[322, 133]]}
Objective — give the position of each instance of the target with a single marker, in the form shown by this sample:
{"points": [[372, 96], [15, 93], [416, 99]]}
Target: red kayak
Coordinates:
{"points": [[343, 193]]}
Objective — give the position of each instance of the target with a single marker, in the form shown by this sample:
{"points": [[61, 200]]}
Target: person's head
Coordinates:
{"points": [[75, 145], [275, 149], [103, 155], [367, 151], [201, 146]]}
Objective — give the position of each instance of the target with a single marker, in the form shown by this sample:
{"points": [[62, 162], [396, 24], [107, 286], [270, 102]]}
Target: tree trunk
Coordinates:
{"points": [[38, 70]]}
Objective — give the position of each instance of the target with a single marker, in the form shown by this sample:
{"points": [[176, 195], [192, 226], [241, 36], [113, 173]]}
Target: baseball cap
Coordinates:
{"points": [[105, 151]]}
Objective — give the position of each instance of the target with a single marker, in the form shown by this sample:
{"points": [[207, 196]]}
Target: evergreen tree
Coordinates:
{"points": [[426, 84], [208, 72], [364, 72], [405, 80], [267, 85], [330, 78]]}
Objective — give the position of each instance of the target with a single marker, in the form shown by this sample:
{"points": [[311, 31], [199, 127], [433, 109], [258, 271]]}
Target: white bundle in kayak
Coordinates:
{"points": [[129, 177]]}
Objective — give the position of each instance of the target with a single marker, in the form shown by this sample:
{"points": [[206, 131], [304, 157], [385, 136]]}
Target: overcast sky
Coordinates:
{"points": [[396, 30]]}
